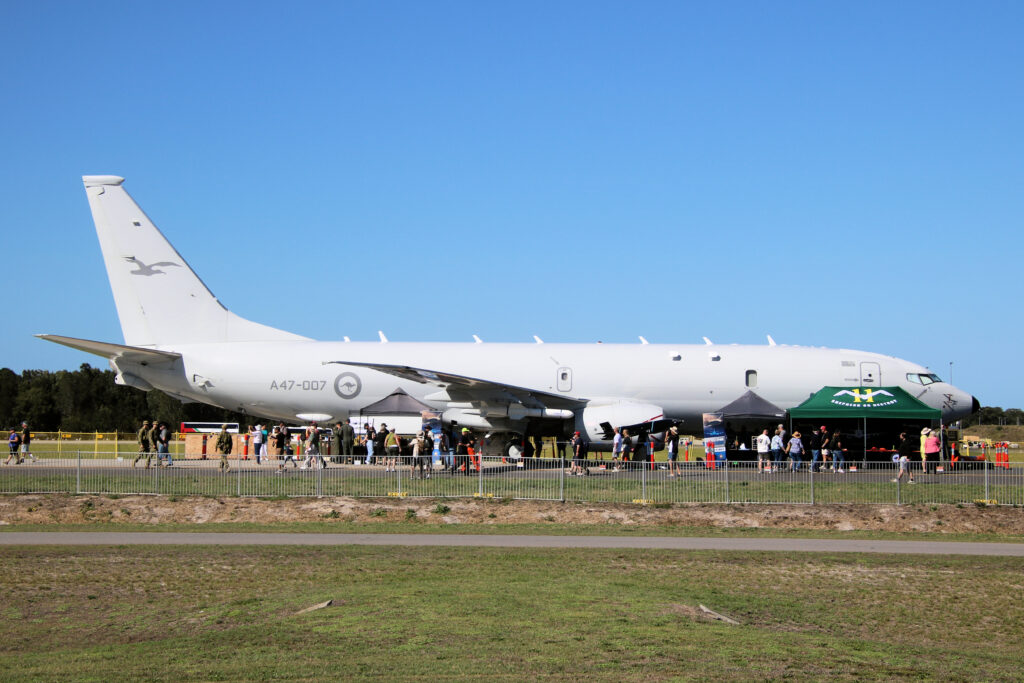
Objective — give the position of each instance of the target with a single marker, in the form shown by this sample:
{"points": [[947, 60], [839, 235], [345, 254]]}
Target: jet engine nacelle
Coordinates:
{"points": [[596, 422]]}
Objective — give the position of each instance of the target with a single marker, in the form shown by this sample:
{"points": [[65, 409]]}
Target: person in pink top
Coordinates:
{"points": [[930, 454]]}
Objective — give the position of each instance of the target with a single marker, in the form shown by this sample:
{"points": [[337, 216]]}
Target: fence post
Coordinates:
{"points": [[986, 480], [812, 484], [78, 473], [561, 479], [156, 475], [480, 474], [728, 497], [899, 483], [320, 480], [643, 483], [238, 479]]}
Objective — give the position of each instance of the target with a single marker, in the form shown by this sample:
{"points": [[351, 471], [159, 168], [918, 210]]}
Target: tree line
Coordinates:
{"points": [[87, 400]]}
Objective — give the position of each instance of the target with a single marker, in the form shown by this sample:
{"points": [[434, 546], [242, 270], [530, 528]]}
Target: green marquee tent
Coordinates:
{"points": [[883, 402]]}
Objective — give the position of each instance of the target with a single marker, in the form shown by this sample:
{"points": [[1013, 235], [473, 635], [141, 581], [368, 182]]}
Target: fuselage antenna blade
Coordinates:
{"points": [[383, 339]]}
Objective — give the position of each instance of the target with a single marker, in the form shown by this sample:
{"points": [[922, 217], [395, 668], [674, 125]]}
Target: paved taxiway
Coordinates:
{"points": [[509, 541]]}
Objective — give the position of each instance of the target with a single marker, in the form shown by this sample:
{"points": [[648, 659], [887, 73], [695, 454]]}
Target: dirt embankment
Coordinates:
{"points": [[68, 509]]}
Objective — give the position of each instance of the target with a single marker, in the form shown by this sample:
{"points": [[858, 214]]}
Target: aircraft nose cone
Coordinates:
{"points": [[975, 405]]}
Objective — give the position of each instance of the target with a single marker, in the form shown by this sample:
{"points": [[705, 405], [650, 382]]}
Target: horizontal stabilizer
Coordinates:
{"points": [[133, 354]]}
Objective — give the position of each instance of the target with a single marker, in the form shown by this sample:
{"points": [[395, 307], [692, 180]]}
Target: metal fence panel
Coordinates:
{"points": [[528, 478]]}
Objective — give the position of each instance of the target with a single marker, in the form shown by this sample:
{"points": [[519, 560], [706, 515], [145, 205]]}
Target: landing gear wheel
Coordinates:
{"points": [[513, 449]]}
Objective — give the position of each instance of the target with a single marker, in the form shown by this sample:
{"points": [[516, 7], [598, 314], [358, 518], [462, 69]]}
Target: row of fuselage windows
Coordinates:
{"points": [[915, 377]]}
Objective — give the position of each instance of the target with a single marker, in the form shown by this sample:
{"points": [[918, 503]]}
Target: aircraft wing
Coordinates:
{"points": [[132, 354], [461, 387]]}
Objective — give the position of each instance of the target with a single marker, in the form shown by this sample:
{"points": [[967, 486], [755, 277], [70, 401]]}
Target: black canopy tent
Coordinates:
{"points": [[751, 406]]}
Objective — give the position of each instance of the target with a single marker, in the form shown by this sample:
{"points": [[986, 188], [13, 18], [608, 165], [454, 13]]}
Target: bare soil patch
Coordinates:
{"points": [[71, 509]]}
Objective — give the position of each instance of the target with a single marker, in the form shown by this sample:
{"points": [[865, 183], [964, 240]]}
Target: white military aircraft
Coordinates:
{"points": [[180, 339]]}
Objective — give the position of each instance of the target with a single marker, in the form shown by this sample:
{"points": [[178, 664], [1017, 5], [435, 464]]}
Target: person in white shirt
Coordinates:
{"points": [[763, 446]]}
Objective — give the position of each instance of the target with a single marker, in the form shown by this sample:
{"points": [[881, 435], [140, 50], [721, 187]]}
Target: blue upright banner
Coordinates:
{"points": [[714, 436]]}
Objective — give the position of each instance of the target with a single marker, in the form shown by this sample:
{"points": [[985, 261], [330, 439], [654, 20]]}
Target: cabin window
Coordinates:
{"points": [[751, 379]]}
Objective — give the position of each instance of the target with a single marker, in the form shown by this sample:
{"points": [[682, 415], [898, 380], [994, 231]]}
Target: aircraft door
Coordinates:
{"points": [[870, 375], [564, 379]]}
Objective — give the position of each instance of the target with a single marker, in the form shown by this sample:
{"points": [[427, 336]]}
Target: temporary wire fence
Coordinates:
{"points": [[487, 477]]}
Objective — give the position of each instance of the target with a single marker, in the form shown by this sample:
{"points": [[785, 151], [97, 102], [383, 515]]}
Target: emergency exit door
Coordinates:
{"points": [[870, 375], [564, 379]]}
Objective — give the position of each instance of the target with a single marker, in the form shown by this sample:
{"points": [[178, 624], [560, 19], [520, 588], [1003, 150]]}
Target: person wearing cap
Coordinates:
{"points": [[163, 445], [672, 450], [348, 441], [462, 452], [224, 443], [144, 445]]}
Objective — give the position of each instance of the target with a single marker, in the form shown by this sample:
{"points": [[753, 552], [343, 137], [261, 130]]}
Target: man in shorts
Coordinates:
{"points": [[763, 446], [26, 439]]}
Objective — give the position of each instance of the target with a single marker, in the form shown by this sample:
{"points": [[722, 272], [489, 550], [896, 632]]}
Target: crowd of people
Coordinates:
{"points": [[782, 451]]}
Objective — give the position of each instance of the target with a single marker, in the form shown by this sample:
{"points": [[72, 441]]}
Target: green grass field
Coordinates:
{"points": [[228, 613]]}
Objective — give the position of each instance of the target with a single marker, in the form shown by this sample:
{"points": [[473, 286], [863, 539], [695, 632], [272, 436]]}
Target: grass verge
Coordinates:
{"points": [[228, 613]]}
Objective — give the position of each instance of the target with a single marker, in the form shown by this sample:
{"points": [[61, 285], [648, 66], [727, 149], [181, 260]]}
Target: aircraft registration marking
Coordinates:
{"points": [[298, 385]]}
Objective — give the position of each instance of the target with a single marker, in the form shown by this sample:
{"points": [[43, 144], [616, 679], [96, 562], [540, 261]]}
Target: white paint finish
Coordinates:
{"points": [[242, 365]]}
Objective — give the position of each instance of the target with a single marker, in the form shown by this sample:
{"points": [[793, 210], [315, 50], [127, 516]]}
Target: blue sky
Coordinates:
{"points": [[832, 174]]}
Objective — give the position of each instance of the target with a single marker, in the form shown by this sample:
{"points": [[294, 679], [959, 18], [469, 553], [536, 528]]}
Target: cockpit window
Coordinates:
{"points": [[922, 378]]}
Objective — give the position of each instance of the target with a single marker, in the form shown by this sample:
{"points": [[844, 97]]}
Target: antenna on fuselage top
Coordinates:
{"points": [[642, 340], [538, 339], [771, 342], [706, 341], [383, 339], [477, 339]]}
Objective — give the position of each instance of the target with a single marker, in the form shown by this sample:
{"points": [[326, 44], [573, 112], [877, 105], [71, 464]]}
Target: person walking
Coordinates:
{"points": [[26, 443], [13, 442], [835, 446], [224, 443], [144, 445], [616, 449], [903, 455], [369, 438], [256, 433], [163, 445], [795, 449], [778, 450], [348, 440]]}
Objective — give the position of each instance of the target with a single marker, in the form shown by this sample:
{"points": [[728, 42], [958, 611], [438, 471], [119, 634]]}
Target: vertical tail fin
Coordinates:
{"points": [[160, 300]]}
